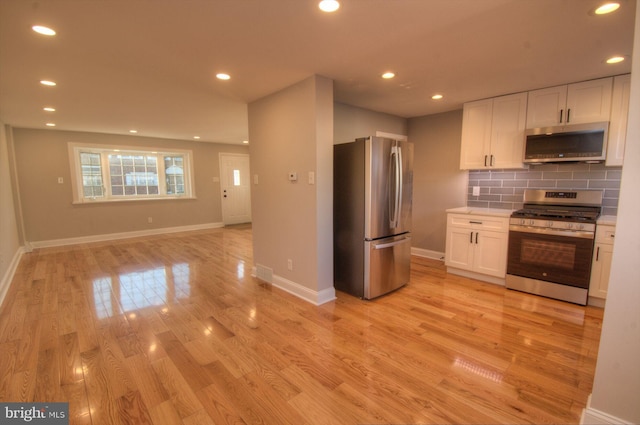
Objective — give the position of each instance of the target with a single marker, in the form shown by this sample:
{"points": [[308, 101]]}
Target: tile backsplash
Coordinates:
{"points": [[504, 188]]}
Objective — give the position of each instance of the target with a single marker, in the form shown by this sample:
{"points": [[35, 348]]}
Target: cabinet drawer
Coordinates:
{"points": [[605, 234], [479, 222]]}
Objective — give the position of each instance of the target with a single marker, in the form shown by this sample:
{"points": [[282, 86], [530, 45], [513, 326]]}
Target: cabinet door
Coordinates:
{"points": [[476, 134], [600, 270], [618, 121], [545, 106], [507, 131], [459, 249], [589, 101], [490, 256]]}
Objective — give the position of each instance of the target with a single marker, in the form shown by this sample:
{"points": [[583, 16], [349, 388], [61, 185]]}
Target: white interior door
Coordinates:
{"points": [[235, 188]]}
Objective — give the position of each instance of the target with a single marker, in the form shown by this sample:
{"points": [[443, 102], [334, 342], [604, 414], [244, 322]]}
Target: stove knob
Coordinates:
{"points": [[580, 226], [549, 223], [569, 225], [532, 222], [523, 221]]}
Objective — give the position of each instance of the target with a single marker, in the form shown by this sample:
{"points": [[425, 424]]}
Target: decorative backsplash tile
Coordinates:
{"points": [[504, 188]]}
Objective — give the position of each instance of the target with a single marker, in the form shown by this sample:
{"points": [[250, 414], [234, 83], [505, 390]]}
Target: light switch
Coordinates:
{"points": [[312, 177]]}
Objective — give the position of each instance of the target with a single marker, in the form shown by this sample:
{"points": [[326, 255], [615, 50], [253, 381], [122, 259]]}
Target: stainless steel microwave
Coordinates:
{"points": [[575, 142]]}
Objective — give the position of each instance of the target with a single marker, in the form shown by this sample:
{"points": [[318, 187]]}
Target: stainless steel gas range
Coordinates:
{"points": [[551, 243]]}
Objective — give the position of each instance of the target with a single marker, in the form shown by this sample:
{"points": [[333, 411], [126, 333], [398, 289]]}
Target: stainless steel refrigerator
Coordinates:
{"points": [[372, 190]]}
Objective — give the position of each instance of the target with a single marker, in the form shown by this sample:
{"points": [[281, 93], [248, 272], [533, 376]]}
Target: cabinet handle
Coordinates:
{"points": [[474, 222], [485, 160], [476, 238], [561, 112], [597, 253], [471, 237], [568, 115], [491, 162]]}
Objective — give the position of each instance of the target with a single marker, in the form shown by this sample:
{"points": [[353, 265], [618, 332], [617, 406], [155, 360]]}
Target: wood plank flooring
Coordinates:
{"points": [[174, 330]]}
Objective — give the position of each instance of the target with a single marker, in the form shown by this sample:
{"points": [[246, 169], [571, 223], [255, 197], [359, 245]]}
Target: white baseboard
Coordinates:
{"points": [[309, 295], [122, 235], [591, 416], [302, 292], [11, 271], [426, 253]]}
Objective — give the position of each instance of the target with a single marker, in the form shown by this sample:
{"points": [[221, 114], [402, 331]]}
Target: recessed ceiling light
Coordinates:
{"points": [[246, 142], [47, 83], [388, 75], [49, 109], [196, 137], [43, 30], [50, 124], [437, 97], [329, 5], [133, 131], [223, 76], [607, 8], [615, 59]]}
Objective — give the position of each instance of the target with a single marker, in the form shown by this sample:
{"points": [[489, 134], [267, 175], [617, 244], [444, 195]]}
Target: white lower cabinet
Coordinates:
{"points": [[477, 243], [601, 265]]}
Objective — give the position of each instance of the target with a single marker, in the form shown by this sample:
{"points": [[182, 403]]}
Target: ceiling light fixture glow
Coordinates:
{"points": [[329, 5], [223, 76], [246, 142], [437, 97], [388, 75], [196, 137], [43, 30], [615, 59], [607, 8], [47, 83], [50, 124], [133, 131], [49, 109]]}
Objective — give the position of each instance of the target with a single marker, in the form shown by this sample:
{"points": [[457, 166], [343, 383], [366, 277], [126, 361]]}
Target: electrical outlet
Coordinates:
{"points": [[476, 190], [289, 264], [312, 177]]}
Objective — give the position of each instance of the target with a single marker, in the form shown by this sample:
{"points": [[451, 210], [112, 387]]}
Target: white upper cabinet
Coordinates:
{"points": [[493, 133], [585, 102], [619, 118]]}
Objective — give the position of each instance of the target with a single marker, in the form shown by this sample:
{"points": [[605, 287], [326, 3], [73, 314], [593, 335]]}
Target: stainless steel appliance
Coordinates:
{"points": [[575, 142], [551, 243], [372, 189]]}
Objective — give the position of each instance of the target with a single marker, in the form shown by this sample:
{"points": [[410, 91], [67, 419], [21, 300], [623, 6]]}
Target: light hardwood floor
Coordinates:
{"points": [[174, 330]]}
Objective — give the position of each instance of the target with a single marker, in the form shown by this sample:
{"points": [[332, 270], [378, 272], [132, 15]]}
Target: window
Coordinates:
{"points": [[109, 173]]}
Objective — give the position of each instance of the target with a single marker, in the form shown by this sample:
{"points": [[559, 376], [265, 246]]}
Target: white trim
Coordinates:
{"points": [[124, 235], [309, 295], [591, 416], [11, 271], [401, 137], [477, 276], [427, 253]]}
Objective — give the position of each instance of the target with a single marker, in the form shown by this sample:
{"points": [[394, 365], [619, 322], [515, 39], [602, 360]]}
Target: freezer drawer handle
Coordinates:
{"points": [[390, 244]]}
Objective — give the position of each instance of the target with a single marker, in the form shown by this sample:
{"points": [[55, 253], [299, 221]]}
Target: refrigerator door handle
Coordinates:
{"points": [[395, 202], [390, 244]]}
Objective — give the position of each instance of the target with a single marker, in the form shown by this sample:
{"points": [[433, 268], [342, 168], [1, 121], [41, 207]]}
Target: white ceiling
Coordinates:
{"points": [[150, 65]]}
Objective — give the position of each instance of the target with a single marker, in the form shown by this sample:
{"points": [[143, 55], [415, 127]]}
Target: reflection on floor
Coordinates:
{"points": [[174, 330]]}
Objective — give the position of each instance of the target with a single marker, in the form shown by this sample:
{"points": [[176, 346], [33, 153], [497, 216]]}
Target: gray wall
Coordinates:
{"points": [[439, 183], [9, 240], [48, 212], [351, 122]]}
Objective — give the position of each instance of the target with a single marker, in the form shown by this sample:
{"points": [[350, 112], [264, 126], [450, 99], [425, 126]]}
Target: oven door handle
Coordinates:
{"points": [[547, 231]]}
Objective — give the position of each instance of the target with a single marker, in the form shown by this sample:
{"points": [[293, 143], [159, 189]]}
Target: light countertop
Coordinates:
{"points": [[496, 212], [607, 219]]}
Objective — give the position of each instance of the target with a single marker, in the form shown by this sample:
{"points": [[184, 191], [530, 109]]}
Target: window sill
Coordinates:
{"points": [[117, 201]]}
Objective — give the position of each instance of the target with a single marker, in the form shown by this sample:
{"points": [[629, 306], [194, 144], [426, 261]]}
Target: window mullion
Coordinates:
{"points": [[162, 177], [106, 174]]}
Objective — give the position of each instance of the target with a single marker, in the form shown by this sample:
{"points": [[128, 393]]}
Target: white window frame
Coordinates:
{"points": [[76, 172]]}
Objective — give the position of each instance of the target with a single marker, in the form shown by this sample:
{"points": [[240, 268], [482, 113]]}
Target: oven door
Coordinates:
{"points": [[561, 257]]}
